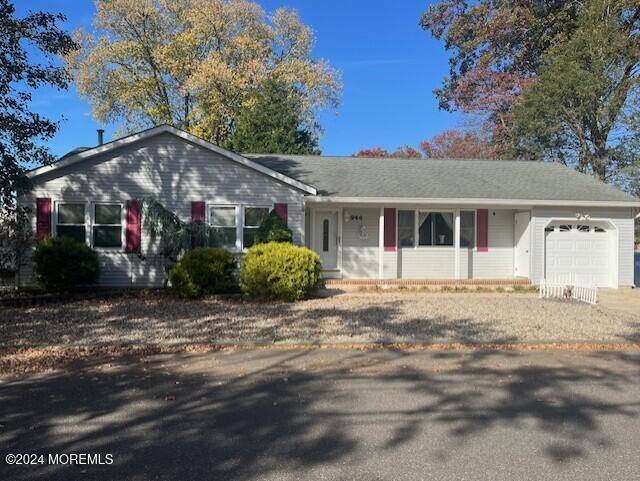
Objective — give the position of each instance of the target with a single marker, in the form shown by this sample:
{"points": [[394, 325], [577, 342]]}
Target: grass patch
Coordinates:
{"points": [[523, 289]]}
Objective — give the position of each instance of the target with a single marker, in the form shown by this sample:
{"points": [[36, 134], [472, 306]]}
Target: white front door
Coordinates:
{"points": [[522, 244], [325, 241]]}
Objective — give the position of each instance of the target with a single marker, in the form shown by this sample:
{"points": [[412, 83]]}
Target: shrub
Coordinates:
{"points": [[280, 271], [273, 229], [205, 270], [62, 264]]}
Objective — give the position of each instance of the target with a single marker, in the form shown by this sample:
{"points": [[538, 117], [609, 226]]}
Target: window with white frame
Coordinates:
{"points": [[107, 225], [70, 221], [252, 218], [467, 229], [435, 228], [223, 222]]}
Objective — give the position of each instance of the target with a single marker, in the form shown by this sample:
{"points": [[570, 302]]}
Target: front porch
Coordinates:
{"points": [[421, 244]]}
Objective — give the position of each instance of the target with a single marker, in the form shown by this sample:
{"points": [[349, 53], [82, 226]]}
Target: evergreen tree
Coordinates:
{"points": [[273, 123]]}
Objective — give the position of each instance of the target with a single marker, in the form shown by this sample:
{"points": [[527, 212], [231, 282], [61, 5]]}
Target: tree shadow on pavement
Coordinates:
{"points": [[260, 414]]}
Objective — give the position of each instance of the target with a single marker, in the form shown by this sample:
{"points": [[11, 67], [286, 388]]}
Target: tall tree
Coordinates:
{"points": [[28, 47], [195, 63], [273, 123], [458, 144], [583, 107], [402, 152], [496, 49]]}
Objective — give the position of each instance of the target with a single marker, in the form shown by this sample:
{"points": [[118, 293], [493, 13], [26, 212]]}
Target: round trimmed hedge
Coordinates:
{"points": [[62, 264], [280, 271], [205, 270]]}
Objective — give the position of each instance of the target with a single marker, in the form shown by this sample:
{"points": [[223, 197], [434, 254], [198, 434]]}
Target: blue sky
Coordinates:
{"points": [[389, 68]]}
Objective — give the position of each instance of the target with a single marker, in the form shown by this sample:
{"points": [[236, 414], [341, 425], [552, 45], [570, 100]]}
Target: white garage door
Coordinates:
{"points": [[578, 253]]}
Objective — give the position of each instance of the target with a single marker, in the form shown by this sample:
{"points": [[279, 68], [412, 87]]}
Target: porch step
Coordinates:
{"points": [[427, 282]]}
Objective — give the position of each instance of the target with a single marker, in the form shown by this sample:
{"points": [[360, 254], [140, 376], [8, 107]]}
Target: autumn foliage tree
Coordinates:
{"points": [[458, 144], [496, 51], [195, 63], [450, 144], [402, 152]]}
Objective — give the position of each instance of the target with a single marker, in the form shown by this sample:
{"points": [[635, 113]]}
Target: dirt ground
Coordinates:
{"points": [[364, 317]]}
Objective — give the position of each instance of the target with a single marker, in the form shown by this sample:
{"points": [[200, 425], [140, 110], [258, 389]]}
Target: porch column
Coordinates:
{"points": [[381, 244], [456, 243]]}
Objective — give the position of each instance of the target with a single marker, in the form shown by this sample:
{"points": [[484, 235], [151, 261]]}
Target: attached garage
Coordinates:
{"points": [[581, 253]]}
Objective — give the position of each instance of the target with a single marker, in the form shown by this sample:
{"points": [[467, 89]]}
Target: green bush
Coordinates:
{"points": [[62, 264], [280, 271], [205, 270], [273, 229]]}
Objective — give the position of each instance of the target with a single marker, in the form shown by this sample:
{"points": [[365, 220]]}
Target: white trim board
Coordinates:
{"points": [[441, 201], [161, 129]]}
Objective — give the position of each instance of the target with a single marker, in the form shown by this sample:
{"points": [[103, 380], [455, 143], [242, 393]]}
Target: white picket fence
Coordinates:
{"points": [[558, 290]]}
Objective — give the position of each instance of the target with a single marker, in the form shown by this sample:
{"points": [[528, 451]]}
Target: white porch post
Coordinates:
{"points": [[456, 243], [381, 245]]}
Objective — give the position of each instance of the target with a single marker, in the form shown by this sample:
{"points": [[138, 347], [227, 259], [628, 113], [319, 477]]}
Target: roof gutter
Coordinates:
{"points": [[489, 202]]}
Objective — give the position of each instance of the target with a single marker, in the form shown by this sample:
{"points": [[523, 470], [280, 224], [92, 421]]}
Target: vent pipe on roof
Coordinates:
{"points": [[100, 136]]}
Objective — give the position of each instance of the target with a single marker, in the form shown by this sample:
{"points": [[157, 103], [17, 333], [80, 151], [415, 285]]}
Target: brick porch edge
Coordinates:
{"points": [[427, 282]]}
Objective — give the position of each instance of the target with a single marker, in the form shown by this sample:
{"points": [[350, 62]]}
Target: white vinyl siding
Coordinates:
{"points": [[173, 171], [360, 244], [426, 263], [497, 263]]}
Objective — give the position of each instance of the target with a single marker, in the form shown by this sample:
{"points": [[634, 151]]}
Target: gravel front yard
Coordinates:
{"points": [[156, 319]]}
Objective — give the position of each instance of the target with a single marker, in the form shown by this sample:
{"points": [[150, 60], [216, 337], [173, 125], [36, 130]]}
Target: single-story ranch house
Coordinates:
{"points": [[366, 218]]}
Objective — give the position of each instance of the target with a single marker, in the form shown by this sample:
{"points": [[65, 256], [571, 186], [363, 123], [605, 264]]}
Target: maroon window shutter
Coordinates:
{"points": [[43, 218], [390, 230], [483, 230], [197, 214], [282, 210], [133, 229]]}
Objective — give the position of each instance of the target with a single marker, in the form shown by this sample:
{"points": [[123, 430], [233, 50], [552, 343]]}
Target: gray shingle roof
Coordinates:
{"points": [[446, 179]]}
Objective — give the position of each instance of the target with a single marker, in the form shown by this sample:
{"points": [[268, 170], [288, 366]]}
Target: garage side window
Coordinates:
{"points": [[468, 229], [70, 222], [107, 225]]}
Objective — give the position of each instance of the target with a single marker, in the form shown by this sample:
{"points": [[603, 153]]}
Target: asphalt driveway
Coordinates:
{"points": [[332, 415]]}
